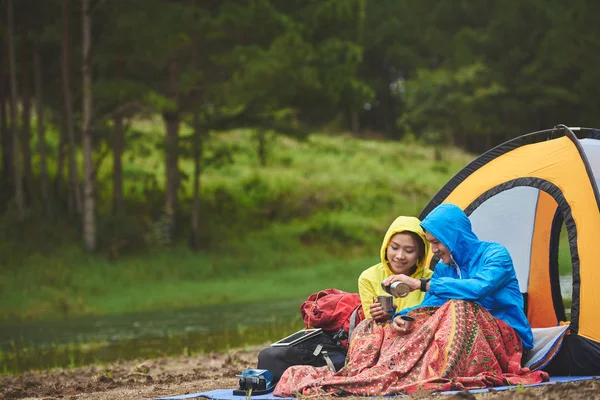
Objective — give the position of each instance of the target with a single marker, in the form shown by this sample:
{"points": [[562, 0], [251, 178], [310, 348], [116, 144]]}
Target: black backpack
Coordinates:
{"points": [[317, 351]]}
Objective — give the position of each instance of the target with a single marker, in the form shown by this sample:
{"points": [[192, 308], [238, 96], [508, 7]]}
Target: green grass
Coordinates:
{"points": [[565, 266], [270, 264], [341, 172], [171, 279], [312, 217]]}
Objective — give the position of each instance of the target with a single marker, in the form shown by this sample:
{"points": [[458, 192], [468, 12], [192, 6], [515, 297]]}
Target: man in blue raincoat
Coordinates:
{"points": [[469, 269]]}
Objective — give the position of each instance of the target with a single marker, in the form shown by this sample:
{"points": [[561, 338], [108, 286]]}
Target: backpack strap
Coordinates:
{"points": [[328, 361], [353, 318], [341, 334], [325, 355]]}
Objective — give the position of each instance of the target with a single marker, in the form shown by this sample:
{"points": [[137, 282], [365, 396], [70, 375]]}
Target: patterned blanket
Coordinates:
{"points": [[457, 346]]}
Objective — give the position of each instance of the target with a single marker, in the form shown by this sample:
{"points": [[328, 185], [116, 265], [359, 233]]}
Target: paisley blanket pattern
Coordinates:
{"points": [[457, 346]]}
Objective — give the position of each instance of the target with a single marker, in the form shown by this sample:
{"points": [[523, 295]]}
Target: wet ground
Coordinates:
{"points": [[150, 379]]}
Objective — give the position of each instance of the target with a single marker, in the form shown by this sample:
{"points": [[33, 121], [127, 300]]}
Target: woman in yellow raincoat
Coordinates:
{"points": [[403, 251]]}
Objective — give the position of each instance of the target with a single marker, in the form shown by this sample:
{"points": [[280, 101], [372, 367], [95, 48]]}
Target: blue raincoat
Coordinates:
{"points": [[483, 272]]}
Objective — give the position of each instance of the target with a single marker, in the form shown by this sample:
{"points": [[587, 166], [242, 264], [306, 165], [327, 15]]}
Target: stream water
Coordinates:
{"points": [[79, 341]]}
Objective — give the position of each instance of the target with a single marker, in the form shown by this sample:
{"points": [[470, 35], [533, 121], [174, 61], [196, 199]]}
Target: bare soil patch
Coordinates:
{"points": [[150, 379]]}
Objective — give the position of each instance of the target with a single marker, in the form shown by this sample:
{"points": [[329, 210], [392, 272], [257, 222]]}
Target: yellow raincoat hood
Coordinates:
{"points": [[402, 224]]}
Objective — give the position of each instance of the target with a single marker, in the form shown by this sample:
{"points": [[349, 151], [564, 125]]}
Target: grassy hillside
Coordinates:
{"points": [[312, 217]]}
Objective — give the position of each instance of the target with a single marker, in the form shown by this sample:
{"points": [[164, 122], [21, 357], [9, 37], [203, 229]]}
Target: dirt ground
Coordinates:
{"points": [[162, 377]]}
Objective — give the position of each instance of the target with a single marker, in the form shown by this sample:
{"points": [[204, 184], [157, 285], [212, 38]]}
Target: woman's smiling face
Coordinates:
{"points": [[402, 253]]}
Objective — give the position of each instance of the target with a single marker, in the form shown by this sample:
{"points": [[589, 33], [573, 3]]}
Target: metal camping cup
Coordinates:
{"points": [[408, 322], [387, 303], [397, 289]]}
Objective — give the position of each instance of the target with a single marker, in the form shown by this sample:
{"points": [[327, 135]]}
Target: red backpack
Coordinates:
{"points": [[334, 311]]}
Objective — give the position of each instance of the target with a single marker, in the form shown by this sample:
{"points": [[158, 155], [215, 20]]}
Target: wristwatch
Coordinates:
{"points": [[424, 284]]}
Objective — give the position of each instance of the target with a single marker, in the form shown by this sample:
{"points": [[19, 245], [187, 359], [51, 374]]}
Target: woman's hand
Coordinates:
{"points": [[378, 313], [412, 283], [401, 326]]}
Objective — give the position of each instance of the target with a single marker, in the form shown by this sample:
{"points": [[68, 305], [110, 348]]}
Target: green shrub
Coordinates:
{"points": [[339, 229]]}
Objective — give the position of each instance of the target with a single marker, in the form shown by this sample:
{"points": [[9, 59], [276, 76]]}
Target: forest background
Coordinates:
{"points": [[159, 154]]}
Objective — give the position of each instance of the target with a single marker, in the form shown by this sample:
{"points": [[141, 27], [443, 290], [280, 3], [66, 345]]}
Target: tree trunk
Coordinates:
{"points": [[26, 133], [261, 137], [171, 154], [198, 151], [117, 150], [60, 156], [5, 136], [41, 130], [89, 209], [13, 117], [6, 143], [172, 171], [118, 145], [74, 191]]}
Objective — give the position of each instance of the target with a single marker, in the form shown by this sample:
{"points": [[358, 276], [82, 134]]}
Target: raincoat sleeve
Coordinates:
{"points": [[494, 271], [366, 292]]}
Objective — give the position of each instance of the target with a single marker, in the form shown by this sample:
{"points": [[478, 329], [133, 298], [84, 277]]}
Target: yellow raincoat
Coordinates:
{"points": [[369, 282]]}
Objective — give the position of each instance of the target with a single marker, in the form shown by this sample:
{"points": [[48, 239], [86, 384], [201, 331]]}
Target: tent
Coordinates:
{"points": [[520, 194]]}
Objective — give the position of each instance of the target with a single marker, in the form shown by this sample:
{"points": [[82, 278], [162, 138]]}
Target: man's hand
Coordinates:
{"points": [[400, 325], [412, 283]]}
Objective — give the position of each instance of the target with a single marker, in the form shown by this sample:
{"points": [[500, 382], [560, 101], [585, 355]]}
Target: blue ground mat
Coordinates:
{"points": [[227, 394]]}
